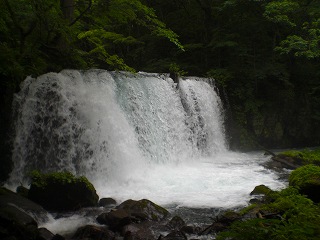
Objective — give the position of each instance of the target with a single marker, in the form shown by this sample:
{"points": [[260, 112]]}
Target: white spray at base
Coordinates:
{"points": [[133, 136]]}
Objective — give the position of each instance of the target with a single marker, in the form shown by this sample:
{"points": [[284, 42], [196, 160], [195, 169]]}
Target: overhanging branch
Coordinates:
{"points": [[82, 13]]}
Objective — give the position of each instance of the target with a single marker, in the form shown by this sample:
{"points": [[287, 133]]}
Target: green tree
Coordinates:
{"points": [[38, 36]]}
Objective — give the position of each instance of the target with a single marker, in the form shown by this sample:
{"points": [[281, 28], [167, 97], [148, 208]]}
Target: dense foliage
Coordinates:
{"points": [[264, 54]]}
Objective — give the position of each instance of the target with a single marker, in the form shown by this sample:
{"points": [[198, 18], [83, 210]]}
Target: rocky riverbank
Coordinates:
{"points": [[61, 194], [293, 210]]}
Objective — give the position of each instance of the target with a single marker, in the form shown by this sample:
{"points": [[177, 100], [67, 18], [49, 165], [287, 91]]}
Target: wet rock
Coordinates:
{"points": [[44, 234], [252, 213], [284, 161], [9, 198], [116, 219], [174, 235], [58, 237], [144, 210], [107, 202], [190, 229], [140, 231], [23, 191], [16, 224], [93, 232], [261, 190], [176, 223], [229, 217], [262, 194], [131, 212], [221, 223], [62, 191], [19, 216]]}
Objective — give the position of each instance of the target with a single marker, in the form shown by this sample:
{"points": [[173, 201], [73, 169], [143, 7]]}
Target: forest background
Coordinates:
{"points": [[264, 56]]}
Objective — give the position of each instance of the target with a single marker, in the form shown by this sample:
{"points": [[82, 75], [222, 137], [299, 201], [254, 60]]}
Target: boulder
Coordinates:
{"points": [[221, 223], [174, 235], [93, 232], [141, 231], [23, 191], [289, 162], [44, 234], [9, 198], [307, 180], [107, 202], [116, 219], [144, 209], [16, 224], [262, 194], [130, 212], [261, 190], [62, 191], [19, 216], [188, 229], [176, 223]]}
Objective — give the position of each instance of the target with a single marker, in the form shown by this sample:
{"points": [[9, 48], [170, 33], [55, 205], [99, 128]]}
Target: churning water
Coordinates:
{"points": [[133, 136]]}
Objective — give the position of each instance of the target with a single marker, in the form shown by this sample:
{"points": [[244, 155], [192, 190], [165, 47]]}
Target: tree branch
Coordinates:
{"points": [[81, 14]]}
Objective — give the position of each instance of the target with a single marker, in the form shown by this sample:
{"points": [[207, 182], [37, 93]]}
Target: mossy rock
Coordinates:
{"points": [[293, 159], [289, 216], [307, 180], [261, 190], [62, 191], [130, 212], [144, 209], [262, 194]]}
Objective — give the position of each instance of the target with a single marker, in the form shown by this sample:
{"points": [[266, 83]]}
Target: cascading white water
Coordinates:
{"points": [[134, 136]]}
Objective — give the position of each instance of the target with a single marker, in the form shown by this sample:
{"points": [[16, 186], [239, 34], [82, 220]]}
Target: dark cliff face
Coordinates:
{"points": [[6, 95], [274, 123]]}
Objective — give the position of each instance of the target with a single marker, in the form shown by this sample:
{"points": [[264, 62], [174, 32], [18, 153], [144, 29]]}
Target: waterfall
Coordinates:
{"points": [[124, 131]]}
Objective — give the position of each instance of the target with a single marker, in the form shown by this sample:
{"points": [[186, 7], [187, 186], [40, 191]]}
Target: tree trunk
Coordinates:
{"points": [[67, 8]]}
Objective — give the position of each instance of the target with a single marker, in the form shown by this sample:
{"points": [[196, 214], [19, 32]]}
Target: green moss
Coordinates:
{"points": [[42, 179], [86, 181], [287, 200], [261, 189], [308, 156], [297, 219], [309, 174], [248, 209], [62, 191]]}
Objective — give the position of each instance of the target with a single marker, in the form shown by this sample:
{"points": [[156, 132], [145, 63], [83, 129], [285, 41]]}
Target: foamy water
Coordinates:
{"points": [[224, 181]]}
